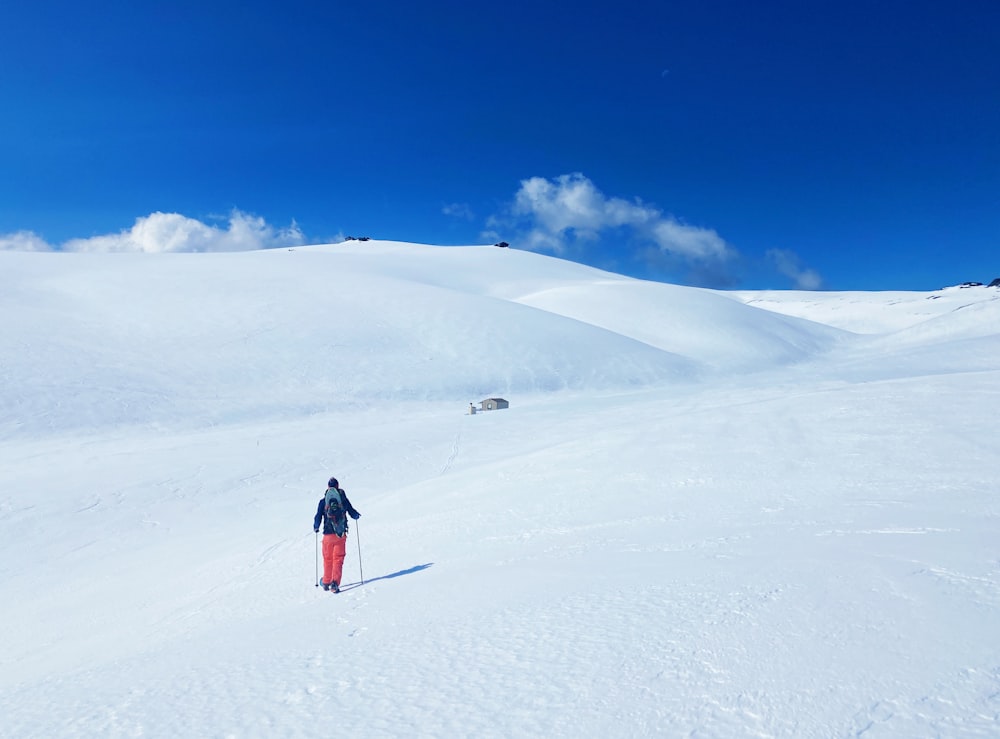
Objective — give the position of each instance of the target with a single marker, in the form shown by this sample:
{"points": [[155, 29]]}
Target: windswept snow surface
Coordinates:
{"points": [[704, 514]]}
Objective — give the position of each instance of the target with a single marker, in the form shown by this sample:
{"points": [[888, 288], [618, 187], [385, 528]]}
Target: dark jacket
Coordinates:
{"points": [[327, 524]]}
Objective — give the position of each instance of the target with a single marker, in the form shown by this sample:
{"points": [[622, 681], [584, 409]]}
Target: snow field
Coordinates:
{"points": [[663, 536]]}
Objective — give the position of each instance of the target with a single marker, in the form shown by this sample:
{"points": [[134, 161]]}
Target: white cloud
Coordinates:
{"points": [[171, 232], [459, 210], [573, 204], [23, 241], [787, 263]]}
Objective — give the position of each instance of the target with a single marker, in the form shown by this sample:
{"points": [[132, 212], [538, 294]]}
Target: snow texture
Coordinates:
{"points": [[704, 514]]}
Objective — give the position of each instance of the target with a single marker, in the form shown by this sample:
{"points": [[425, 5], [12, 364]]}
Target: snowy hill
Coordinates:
{"points": [[709, 513]]}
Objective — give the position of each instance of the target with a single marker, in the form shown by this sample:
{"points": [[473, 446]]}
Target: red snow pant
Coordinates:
{"points": [[334, 550]]}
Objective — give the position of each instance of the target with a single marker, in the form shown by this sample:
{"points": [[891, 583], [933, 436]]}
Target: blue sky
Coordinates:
{"points": [[847, 146]]}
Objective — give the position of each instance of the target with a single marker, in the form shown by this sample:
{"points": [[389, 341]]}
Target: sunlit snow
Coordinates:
{"points": [[705, 513]]}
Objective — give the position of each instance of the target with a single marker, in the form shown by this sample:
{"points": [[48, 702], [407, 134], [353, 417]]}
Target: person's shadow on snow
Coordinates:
{"points": [[409, 571]]}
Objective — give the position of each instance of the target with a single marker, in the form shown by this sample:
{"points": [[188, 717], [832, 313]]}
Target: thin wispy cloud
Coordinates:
{"points": [[570, 208], [788, 264], [459, 210], [171, 232]]}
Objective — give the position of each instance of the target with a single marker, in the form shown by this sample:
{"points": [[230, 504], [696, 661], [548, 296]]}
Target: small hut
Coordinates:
{"points": [[491, 404]]}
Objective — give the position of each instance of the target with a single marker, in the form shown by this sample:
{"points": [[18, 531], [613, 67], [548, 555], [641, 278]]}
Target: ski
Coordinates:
{"points": [[342, 588]]}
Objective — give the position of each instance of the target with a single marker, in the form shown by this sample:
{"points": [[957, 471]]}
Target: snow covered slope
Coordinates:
{"points": [[218, 338], [711, 514]]}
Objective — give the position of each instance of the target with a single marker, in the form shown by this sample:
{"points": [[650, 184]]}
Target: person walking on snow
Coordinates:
{"points": [[332, 512]]}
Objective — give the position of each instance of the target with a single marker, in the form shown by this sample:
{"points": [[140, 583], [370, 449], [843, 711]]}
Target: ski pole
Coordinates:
{"points": [[317, 559], [357, 533]]}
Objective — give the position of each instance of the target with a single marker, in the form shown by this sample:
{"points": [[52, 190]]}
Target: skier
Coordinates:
{"points": [[331, 512]]}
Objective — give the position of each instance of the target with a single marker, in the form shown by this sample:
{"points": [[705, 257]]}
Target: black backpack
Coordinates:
{"points": [[335, 512]]}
